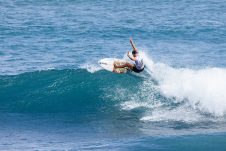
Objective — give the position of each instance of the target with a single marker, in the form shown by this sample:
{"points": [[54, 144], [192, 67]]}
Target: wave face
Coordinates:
{"points": [[163, 100], [58, 90], [161, 93]]}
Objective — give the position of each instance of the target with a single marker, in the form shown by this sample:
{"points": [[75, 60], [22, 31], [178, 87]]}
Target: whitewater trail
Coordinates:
{"points": [[203, 88]]}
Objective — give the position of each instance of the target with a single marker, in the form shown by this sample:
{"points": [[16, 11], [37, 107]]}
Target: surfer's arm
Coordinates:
{"points": [[133, 46], [131, 57]]}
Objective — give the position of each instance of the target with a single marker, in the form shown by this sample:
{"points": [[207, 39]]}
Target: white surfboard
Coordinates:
{"points": [[108, 64]]}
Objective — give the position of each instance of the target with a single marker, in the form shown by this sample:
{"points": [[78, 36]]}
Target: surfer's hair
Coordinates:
{"points": [[134, 52]]}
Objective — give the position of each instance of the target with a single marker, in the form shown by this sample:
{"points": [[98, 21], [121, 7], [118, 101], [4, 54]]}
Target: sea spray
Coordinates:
{"points": [[203, 88], [91, 67]]}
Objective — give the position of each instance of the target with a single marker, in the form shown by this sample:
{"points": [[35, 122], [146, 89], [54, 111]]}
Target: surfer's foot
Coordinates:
{"points": [[118, 65], [115, 65]]}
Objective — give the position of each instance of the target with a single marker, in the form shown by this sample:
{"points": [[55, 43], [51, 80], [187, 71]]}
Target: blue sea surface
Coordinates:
{"points": [[55, 96]]}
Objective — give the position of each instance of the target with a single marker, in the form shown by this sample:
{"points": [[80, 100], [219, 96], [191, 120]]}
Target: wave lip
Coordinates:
{"points": [[203, 89]]}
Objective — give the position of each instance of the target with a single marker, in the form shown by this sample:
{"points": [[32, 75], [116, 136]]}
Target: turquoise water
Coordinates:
{"points": [[55, 96]]}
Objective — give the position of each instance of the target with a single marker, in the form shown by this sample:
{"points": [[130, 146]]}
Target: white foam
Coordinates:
{"points": [[203, 89], [90, 67], [130, 105], [182, 113], [149, 64]]}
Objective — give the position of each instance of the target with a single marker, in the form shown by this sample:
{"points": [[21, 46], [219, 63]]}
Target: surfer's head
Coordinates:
{"points": [[135, 53]]}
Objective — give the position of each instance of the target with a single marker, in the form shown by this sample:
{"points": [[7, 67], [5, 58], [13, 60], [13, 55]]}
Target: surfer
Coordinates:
{"points": [[138, 66]]}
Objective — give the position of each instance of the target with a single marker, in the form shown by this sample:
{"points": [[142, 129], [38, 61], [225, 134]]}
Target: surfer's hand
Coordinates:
{"points": [[128, 53], [132, 44]]}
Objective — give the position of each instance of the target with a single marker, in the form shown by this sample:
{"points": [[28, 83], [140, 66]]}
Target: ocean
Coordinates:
{"points": [[55, 96]]}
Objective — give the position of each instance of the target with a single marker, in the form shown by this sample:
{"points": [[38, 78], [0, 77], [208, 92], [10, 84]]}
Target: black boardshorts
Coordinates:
{"points": [[137, 70]]}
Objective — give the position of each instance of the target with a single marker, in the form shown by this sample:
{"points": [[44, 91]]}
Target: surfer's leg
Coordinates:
{"points": [[117, 71], [129, 65]]}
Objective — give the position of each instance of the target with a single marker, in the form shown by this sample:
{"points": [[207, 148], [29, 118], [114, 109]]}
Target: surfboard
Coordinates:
{"points": [[108, 64]]}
